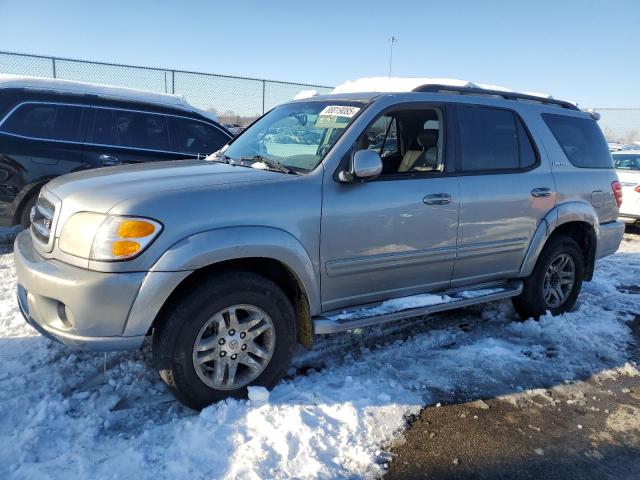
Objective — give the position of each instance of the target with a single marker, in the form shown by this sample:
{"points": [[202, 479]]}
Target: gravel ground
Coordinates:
{"points": [[586, 429]]}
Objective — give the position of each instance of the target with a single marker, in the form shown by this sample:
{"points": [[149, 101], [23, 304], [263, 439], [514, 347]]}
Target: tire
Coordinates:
{"points": [[25, 212], [185, 322], [533, 303]]}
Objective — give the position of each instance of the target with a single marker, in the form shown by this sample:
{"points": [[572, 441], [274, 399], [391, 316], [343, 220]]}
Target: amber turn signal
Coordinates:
{"points": [[123, 248], [135, 229]]}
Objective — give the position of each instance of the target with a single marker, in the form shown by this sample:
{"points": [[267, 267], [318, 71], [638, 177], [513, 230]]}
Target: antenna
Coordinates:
{"points": [[393, 40]]}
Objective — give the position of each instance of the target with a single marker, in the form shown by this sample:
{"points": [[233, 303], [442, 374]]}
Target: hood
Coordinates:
{"points": [[100, 189]]}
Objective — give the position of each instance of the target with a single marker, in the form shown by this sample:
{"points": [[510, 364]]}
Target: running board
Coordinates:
{"points": [[413, 306]]}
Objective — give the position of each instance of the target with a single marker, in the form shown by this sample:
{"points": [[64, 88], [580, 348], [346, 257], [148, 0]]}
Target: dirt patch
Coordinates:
{"points": [[580, 430]]}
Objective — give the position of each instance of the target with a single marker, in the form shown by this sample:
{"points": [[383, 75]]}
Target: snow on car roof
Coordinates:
{"points": [[71, 86], [408, 84]]}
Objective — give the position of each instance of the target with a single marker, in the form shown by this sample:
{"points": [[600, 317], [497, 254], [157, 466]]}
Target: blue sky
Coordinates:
{"points": [[582, 50]]}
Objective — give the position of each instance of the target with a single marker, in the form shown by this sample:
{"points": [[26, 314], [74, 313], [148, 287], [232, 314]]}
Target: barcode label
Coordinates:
{"points": [[339, 111]]}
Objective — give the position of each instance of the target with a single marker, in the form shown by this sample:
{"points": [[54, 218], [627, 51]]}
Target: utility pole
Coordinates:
{"points": [[392, 41]]}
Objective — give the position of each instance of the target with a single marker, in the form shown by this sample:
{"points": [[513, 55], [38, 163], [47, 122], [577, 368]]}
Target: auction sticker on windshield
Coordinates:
{"points": [[335, 116], [339, 111]]}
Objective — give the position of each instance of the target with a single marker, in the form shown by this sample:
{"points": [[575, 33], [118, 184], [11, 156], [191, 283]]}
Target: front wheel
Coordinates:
{"points": [[555, 282], [234, 330]]}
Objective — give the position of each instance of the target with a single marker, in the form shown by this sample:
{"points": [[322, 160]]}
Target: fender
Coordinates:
{"points": [[559, 215], [231, 243]]}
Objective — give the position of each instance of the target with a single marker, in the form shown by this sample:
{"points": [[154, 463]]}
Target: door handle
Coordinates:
{"points": [[437, 199], [541, 192], [108, 160]]}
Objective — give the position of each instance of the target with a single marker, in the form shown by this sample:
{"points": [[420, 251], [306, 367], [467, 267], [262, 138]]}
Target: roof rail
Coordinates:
{"points": [[435, 88]]}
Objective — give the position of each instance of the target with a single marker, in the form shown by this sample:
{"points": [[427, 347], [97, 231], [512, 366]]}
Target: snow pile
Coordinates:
{"points": [[408, 84], [62, 415]]}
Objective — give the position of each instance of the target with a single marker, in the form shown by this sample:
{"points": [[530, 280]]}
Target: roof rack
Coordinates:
{"points": [[436, 88]]}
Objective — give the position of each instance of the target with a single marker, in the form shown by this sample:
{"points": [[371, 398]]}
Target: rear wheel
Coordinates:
{"points": [[236, 329], [555, 282]]}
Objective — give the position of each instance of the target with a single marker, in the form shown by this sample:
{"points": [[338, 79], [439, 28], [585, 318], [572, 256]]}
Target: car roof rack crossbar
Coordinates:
{"points": [[436, 88]]}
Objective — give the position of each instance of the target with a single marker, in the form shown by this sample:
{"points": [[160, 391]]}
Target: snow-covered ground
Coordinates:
{"points": [[66, 414]]}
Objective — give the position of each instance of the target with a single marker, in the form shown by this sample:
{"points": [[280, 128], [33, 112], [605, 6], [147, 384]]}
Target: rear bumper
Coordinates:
{"points": [[81, 308], [610, 237]]}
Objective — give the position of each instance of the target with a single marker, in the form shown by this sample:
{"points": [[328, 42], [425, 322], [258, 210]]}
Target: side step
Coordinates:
{"points": [[413, 306]]}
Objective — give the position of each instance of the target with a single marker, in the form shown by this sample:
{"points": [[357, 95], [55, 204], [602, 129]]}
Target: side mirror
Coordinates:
{"points": [[366, 165]]}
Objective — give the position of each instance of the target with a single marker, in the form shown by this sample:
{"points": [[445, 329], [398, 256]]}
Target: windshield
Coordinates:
{"points": [[295, 135], [626, 161]]}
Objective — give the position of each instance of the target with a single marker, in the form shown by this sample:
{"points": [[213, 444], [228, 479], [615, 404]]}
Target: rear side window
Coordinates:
{"points": [[190, 136], [488, 139], [493, 139], [104, 128], [581, 140], [45, 121], [142, 130]]}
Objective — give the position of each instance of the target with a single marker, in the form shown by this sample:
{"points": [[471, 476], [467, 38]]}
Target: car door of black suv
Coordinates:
{"points": [[119, 136]]}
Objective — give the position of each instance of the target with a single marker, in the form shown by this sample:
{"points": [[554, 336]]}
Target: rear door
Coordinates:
{"points": [[39, 140], [506, 190]]}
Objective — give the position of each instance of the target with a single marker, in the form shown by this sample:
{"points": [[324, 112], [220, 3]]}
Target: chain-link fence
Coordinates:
{"points": [[233, 99]]}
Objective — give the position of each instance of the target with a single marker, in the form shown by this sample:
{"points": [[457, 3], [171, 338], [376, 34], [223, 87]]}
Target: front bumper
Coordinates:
{"points": [[81, 308], [610, 237]]}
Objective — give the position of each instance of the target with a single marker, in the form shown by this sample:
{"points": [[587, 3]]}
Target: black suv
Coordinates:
{"points": [[53, 127]]}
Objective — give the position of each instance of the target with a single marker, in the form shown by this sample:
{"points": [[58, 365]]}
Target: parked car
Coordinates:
{"points": [[52, 127], [627, 164], [228, 263], [233, 128]]}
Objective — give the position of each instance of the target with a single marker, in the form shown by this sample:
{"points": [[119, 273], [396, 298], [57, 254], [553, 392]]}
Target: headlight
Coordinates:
{"points": [[107, 237]]}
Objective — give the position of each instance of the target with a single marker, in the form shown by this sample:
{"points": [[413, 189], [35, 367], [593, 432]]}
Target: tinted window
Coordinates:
{"points": [[488, 139], [190, 136], [581, 140], [104, 128], [55, 122], [142, 130]]}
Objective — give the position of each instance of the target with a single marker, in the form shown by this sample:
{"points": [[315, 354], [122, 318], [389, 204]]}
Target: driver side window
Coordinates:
{"points": [[408, 141]]}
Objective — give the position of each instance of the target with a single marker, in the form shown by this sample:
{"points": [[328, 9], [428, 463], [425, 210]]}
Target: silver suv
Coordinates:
{"points": [[327, 214]]}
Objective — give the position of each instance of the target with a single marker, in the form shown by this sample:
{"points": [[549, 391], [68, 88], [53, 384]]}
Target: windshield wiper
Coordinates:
{"points": [[272, 164]]}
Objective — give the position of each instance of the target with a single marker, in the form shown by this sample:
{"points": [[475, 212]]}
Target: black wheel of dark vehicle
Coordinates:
{"points": [[234, 330], [25, 212], [555, 282]]}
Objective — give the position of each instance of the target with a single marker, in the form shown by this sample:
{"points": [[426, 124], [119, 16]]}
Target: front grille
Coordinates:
{"points": [[42, 220]]}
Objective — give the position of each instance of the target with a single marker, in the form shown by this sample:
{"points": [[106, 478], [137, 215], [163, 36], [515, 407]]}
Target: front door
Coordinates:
{"points": [[396, 235], [122, 136]]}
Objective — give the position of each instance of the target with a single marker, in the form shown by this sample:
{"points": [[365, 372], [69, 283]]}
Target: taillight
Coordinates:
{"points": [[637, 189], [616, 188]]}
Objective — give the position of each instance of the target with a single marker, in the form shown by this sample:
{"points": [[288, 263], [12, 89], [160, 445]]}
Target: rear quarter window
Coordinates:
{"points": [[581, 140]]}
